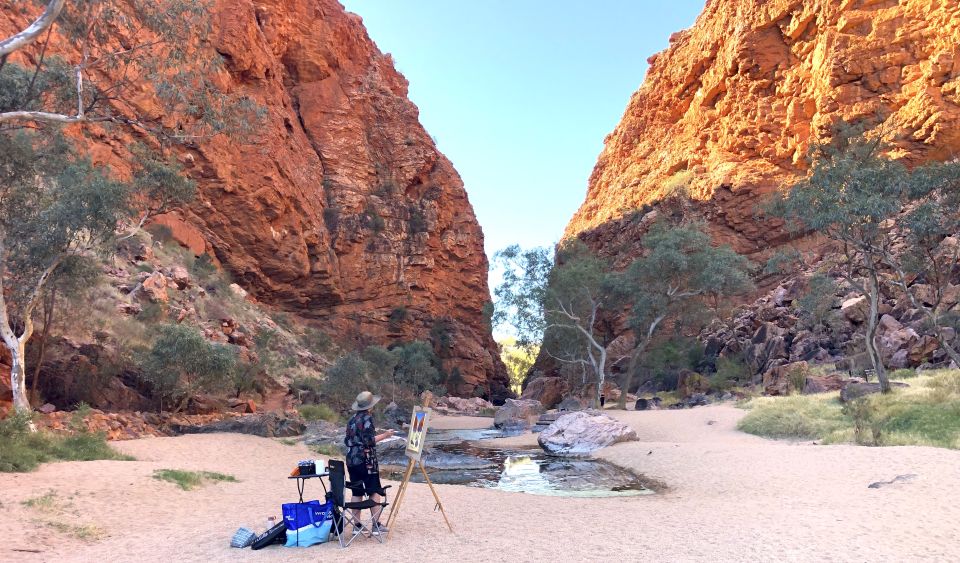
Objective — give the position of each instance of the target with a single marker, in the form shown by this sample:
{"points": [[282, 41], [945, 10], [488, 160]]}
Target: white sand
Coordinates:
{"points": [[731, 497]]}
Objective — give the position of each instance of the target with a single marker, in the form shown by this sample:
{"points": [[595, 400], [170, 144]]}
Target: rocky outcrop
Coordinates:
{"points": [[583, 432], [729, 110], [339, 206], [518, 414], [268, 425]]}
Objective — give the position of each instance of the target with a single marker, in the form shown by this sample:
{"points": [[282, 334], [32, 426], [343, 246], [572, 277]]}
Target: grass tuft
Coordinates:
{"points": [[925, 414], [328, 450], [189, 480], [24, 450]]}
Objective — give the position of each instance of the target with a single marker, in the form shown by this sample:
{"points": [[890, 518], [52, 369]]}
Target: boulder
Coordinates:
{"points": [[776, 381], [823, 383], [548, 390], [518, 414], [155, 286], [653, 403], [923, 349], [855, 309], [583, 432], [180, 277], [695, 400], [395, 416], [690, 383], [571, 404], [268, 425], [857, 389]]}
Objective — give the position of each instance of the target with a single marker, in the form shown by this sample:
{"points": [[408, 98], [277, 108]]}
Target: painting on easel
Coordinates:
{"points": [[417, 435]]}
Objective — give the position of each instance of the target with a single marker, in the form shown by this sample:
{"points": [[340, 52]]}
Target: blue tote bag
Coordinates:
{"points": [[307, 523]]}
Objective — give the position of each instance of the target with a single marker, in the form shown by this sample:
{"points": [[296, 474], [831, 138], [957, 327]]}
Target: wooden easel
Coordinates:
{"points": [[411, 463]]}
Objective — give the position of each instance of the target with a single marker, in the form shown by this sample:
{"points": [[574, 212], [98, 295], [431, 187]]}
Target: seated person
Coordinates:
{"points": [[361, 441]]}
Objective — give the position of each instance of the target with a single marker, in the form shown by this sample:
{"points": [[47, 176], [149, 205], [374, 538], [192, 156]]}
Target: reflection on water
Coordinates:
{"points": [[525, 470]]}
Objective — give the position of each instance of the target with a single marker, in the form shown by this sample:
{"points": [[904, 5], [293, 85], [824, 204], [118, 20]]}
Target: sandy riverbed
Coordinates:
{"points": [[731, 497]]}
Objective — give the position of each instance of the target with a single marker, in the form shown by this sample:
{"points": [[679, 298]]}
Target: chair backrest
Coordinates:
{"points": [[338, 480]]}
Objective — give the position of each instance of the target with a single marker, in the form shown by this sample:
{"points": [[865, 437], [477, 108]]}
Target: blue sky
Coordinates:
{"points": [[520, 94]]}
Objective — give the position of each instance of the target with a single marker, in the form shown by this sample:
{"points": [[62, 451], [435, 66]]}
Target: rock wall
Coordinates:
{"points": [[340, 207], [729, 110]]}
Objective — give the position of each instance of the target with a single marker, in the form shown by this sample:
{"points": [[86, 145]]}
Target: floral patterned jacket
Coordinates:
{"points": [[361, 442]]}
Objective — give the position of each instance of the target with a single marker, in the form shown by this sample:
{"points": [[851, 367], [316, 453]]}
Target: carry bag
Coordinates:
{"points": [[270, 537], [307, 523]]}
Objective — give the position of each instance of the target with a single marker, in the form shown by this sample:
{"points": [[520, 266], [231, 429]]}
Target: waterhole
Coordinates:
{"points": [[453, 459]]}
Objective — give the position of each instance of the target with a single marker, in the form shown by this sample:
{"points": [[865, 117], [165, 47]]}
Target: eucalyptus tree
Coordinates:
{"points": [[882, 215], [119, 51], [56, 205], [559, 303], [144, 66], [680, 274]]}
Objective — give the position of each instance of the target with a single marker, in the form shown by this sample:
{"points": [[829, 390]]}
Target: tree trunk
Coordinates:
{"points": [[49, 305], [18, 376], [601, 376], [871, 336], [631, 367]]}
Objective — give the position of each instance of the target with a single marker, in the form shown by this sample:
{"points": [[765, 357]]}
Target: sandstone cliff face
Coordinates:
{"points": [[729, 110], [340, 207]]}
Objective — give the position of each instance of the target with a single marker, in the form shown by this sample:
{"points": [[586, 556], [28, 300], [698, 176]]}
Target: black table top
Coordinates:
{"points": [[324, 474]]}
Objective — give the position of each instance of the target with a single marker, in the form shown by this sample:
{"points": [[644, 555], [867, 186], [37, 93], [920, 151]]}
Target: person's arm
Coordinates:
{"points": [[383, 436]]}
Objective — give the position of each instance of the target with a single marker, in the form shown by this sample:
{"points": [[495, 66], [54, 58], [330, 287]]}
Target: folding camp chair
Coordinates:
{"points": [[343, 515]]}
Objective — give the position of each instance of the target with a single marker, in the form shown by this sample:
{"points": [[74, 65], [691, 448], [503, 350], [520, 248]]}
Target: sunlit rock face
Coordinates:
{"points": [[340, 207], [730, 109]]}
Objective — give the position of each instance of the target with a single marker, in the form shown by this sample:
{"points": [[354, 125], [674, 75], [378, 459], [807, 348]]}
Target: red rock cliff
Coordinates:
{"points": [[341, 207], [730, 108]]}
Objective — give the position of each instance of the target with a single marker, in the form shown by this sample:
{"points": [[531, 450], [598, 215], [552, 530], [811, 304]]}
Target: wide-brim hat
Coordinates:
{"points": [[365, 401]]}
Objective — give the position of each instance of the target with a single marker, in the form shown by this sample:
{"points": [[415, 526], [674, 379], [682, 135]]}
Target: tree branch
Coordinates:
{"points": [[35, 298], [30, 34]]}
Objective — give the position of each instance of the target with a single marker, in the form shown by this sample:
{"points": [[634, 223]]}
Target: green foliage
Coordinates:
{"points": [[181, 362], [417, 368], [345, 379], [189, 480], [441, 335], [518, 359], [400, 373], [418, 220], [797, 378], [681, 269], [783, 262], [519, 300], [160, 183], [170, 59], [730, 373], [316, 341], [23, 450], [318, 412], [818, 299], [663, 362], [57, 203]]}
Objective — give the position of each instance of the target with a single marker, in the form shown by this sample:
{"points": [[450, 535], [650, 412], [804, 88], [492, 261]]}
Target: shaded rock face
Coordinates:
{"points": [[267, 425], [340, 207], [583, 432], [729, 110]]}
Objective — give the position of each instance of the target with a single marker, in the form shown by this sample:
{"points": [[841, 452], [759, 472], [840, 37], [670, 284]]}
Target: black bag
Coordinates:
{"points": [[276, 534]]}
